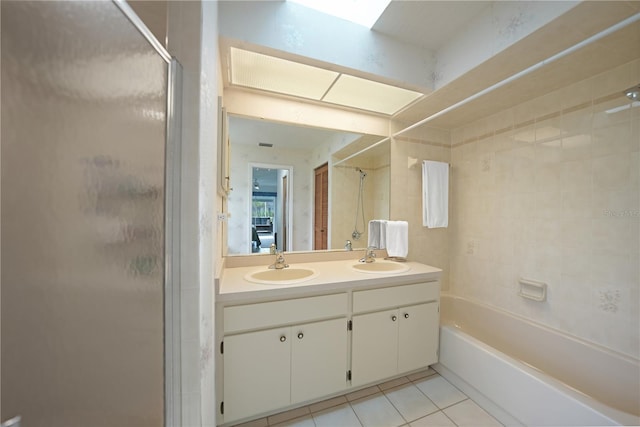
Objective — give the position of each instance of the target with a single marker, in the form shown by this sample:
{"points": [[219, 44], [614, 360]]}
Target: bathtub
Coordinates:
{"points": [[524, 373]]}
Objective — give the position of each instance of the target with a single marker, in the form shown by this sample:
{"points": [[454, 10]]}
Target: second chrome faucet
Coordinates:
{"points": [[369, 256], [280, 262]]}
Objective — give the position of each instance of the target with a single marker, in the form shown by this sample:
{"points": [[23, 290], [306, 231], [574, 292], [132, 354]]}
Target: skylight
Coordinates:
{"points": [[362, 12]]}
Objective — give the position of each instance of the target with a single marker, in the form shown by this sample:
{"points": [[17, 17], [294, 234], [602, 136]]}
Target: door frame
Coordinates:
{"points": [[326, 202], [288, 214]]}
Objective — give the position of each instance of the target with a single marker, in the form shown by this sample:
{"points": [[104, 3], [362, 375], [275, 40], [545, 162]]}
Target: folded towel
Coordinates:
{"points": [[383, 233], [374, 234], [435, 194], [377, 236], [397, 238]]}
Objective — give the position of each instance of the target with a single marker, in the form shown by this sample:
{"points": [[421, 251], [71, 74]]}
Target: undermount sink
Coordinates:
{"points": [[380, 267], [284, 276]]}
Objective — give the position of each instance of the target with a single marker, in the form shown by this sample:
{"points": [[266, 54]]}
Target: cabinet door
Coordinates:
{"points": [[374, 351], [318, 359], [418, 336], [256, 372]]}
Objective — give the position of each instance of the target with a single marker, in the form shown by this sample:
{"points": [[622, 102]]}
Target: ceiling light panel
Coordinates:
{"points": [[369, 95], [264, 72]]}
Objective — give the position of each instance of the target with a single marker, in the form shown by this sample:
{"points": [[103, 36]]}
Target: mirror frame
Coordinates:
{"points": [[361, 145], [223, 151]]}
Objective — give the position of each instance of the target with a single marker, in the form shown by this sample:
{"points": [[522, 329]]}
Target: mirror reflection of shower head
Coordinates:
{"points": [[359, 207], [633, 93]]}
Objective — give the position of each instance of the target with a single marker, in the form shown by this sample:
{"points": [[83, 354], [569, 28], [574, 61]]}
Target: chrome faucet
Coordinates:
{"points": [[369, 256], [280, 262], [347, 246]]}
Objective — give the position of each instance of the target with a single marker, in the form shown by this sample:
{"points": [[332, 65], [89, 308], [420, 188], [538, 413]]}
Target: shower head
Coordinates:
{"points": [[633, 93], [362, 173]]}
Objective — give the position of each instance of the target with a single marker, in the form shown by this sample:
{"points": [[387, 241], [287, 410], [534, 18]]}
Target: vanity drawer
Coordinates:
{"points": [[268, 314], [395, 296]]}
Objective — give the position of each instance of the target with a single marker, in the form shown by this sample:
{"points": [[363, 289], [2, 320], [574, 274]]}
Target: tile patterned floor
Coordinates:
{"points": [[424, 399]]}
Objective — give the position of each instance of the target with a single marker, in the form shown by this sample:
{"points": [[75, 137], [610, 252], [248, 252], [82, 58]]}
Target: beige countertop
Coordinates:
{"points": [[333, 275]]}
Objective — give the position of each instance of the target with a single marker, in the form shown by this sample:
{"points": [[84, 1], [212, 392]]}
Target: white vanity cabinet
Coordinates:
{"points": [[277, 352], [256, 372], [395, 330], [274, 367], [318, 359]]}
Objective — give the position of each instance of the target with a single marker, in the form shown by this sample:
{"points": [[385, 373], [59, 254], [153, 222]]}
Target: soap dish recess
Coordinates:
{"points": [[533, 290]]}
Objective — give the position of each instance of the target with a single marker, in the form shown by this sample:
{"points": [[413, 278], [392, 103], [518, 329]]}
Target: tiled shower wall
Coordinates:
{"points": [[345, 186], [426, 245], [548, 190]]}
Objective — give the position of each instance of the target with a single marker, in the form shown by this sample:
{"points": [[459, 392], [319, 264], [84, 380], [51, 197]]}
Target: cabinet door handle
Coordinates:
{"points": [[394, 318], [406, 315], [283, 338], [300, 335]]}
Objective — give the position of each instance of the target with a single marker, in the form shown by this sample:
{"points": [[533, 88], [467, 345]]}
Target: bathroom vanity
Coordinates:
{"points": [[282, 345]]}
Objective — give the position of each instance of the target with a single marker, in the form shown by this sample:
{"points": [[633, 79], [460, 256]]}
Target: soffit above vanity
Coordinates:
{"points": [[573, 25]]}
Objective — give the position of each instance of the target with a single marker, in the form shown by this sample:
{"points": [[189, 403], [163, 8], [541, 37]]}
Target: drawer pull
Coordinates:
{"points": [[394, 318], [406, 315], [283, 338], [300, 335]]}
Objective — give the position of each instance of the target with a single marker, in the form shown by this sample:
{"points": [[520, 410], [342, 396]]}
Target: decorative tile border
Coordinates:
{"points": [[421, 141]]}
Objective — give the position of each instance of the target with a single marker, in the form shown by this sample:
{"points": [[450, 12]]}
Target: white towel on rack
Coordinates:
{"points": [[435, 194], [397, 238]]}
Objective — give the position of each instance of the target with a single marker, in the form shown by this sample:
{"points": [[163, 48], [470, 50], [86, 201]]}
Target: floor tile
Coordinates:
{"points": [[342, 416], [306, 421], [410, 402], [440, 391], [468, 413], [438, 419], [377, 411]]}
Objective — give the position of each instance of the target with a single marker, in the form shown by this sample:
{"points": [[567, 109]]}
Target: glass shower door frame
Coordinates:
{"points": [[172, 315]]}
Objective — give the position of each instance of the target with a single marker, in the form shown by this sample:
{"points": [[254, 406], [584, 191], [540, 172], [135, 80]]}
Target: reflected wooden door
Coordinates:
{"points": [[321, 210]]}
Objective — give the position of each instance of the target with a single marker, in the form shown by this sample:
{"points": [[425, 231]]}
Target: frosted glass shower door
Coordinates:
{"points": [[84, 100]]}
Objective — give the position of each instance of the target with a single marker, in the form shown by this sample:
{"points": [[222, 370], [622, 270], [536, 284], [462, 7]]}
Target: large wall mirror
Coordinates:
{"points": [[283, 176]]}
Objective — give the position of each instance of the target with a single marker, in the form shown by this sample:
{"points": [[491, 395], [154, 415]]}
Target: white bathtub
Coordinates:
{"points": [[529, 374]]}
